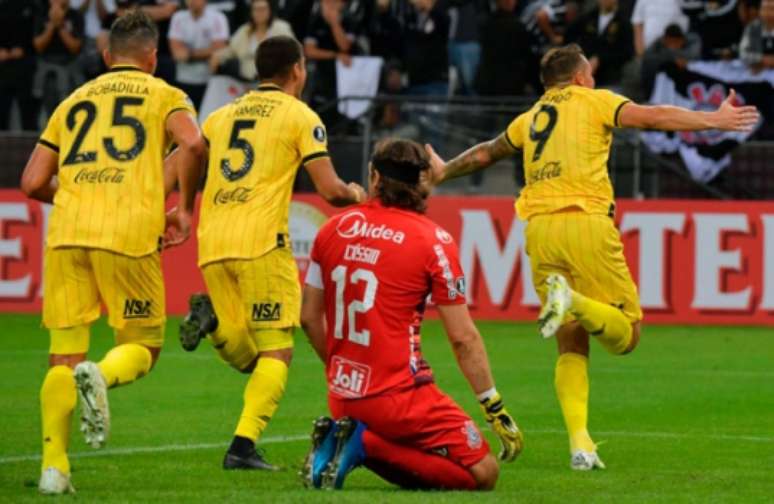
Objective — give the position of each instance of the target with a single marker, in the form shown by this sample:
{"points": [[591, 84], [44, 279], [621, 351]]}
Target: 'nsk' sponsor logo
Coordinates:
{"points": [[354, 225], [266, 312], [349, 379], [136, 308], [361, 254]]}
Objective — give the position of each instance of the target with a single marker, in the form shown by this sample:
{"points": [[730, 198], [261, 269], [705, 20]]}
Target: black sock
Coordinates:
{"points": [[242, 446]]}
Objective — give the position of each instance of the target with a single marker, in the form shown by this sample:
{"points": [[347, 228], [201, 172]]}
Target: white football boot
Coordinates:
{"points": [[585, 461], [54, 482], [95, 413], [558, 301]]}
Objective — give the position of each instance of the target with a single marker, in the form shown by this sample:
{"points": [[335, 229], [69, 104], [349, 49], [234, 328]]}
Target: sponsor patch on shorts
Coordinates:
{"points": [[267, 312]]}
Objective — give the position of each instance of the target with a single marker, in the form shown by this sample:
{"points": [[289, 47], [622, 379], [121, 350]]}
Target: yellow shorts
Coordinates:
{"points": [[257, 301], [76, 280], [587, 250]]}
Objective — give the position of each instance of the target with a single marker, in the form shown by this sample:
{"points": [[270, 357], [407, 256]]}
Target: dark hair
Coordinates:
{"points": [[408, 155], [560, 64], [276, 56], [271, 13], [674, 31], [131, 32]]}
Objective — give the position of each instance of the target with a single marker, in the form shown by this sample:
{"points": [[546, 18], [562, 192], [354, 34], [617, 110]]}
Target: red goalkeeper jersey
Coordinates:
{"points": [[378, 267]]}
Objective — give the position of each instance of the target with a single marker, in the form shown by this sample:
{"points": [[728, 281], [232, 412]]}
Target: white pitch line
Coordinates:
{"points": [[299, 437], [152, 449]]}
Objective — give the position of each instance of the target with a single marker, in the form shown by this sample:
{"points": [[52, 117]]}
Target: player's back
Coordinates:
{"points": [[111, 138], [377, 267], [257, 143], [565, 138]]}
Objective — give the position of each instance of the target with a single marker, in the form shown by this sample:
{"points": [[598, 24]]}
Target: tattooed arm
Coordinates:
{"points": [[476, 158]]}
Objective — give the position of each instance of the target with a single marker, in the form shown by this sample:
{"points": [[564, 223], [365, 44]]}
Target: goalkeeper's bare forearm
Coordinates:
{"points": [[468, 346]]}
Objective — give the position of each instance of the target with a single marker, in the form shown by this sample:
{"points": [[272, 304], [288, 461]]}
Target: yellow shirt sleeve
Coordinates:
{"points": [[312, 137], [609, 106], [515, 132], [178, 100], [51, 135]]}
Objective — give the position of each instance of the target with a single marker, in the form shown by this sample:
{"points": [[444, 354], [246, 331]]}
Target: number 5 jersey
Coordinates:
{"points": [[378, 267]]}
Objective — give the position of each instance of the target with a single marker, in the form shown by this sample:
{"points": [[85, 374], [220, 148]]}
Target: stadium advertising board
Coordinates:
{"points": [[696, 262]]}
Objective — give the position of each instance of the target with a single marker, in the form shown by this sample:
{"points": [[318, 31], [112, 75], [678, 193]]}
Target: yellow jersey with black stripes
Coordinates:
{"points": [[565, 141], [111, 137], [257, 143]]}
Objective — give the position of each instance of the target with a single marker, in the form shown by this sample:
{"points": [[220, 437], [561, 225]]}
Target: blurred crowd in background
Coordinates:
{"points": [[430, 47]]}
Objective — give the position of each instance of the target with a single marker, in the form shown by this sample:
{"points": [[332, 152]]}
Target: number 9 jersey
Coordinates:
{"points": [[377, 266], [565, 138], [111, 137]]}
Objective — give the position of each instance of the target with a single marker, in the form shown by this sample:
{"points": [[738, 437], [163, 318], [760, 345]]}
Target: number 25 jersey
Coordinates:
{"points": [[111, 138], [565, 139], [257, 143], [377, 266]]}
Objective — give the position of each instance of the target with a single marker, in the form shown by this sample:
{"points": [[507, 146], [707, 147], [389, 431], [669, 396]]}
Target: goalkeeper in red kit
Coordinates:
{"points": [[372, 269]]}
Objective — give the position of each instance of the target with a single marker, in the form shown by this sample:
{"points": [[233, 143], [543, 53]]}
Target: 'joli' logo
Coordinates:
{"points": [[237, 195], [100, 176]]}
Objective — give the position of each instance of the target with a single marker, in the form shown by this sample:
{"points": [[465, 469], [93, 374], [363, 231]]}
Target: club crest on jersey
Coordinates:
{"points": [[266, 312], [474, 436], [355, 225], [349, 378], [319, 134], [136, 308], [443, 236]]}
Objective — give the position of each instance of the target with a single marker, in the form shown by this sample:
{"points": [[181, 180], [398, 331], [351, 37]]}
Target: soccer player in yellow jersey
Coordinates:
{"points": [[256, 145], [575, 250], [100, 161]]}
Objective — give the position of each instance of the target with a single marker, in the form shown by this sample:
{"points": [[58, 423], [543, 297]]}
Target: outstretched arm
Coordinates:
{"points": [[668, 118], [476, 158]]}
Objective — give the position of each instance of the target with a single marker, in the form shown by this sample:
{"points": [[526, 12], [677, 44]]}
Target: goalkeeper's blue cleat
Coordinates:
{"points": [[200, 321], [321, 453], [350, 452]]}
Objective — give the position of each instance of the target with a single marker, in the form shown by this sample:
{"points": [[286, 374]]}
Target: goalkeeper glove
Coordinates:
{"points": [[503, 424]]}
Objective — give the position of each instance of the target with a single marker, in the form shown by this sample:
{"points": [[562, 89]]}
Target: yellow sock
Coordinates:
{"points": [[263, 392], [125, 363], [572, 389], [57, 401], [606, 323]]}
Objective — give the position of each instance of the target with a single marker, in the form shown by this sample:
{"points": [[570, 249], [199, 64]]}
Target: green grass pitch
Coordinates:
{"points": [[688, 417]]}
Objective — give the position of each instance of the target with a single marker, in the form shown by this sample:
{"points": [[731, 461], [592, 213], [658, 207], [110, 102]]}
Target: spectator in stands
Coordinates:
{"points": [[237, 12], [195, 35], [546, 22], [650, 18], [17, 63], [757, 45], [58, 41], [238, 59], [718, 25], [386, 31], [122, 7], [389, 119], [505, 57], [161, 12], [606, 37], [464, 47], [330, 37], [296, 12], [674, 46], [426, 49], [94, 13]]}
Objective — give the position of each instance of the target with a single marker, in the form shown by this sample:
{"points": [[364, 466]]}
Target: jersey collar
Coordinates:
{"points": [[269, 87], [125, 68]]}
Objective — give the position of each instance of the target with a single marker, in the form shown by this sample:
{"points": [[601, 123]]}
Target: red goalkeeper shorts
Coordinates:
{"points": [[422, 417]]}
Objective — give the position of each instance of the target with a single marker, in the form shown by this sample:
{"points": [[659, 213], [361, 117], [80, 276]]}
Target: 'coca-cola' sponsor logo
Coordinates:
{"points": [[237, 195], [110, 175], [355, 225]]}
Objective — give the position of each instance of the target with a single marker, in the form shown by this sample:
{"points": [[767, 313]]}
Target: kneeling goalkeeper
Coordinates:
{"points": [[372, 270]]}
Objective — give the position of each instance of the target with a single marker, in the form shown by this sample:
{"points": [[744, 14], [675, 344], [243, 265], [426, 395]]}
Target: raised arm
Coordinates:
{"points": [[669, 118], [476, 158]]}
